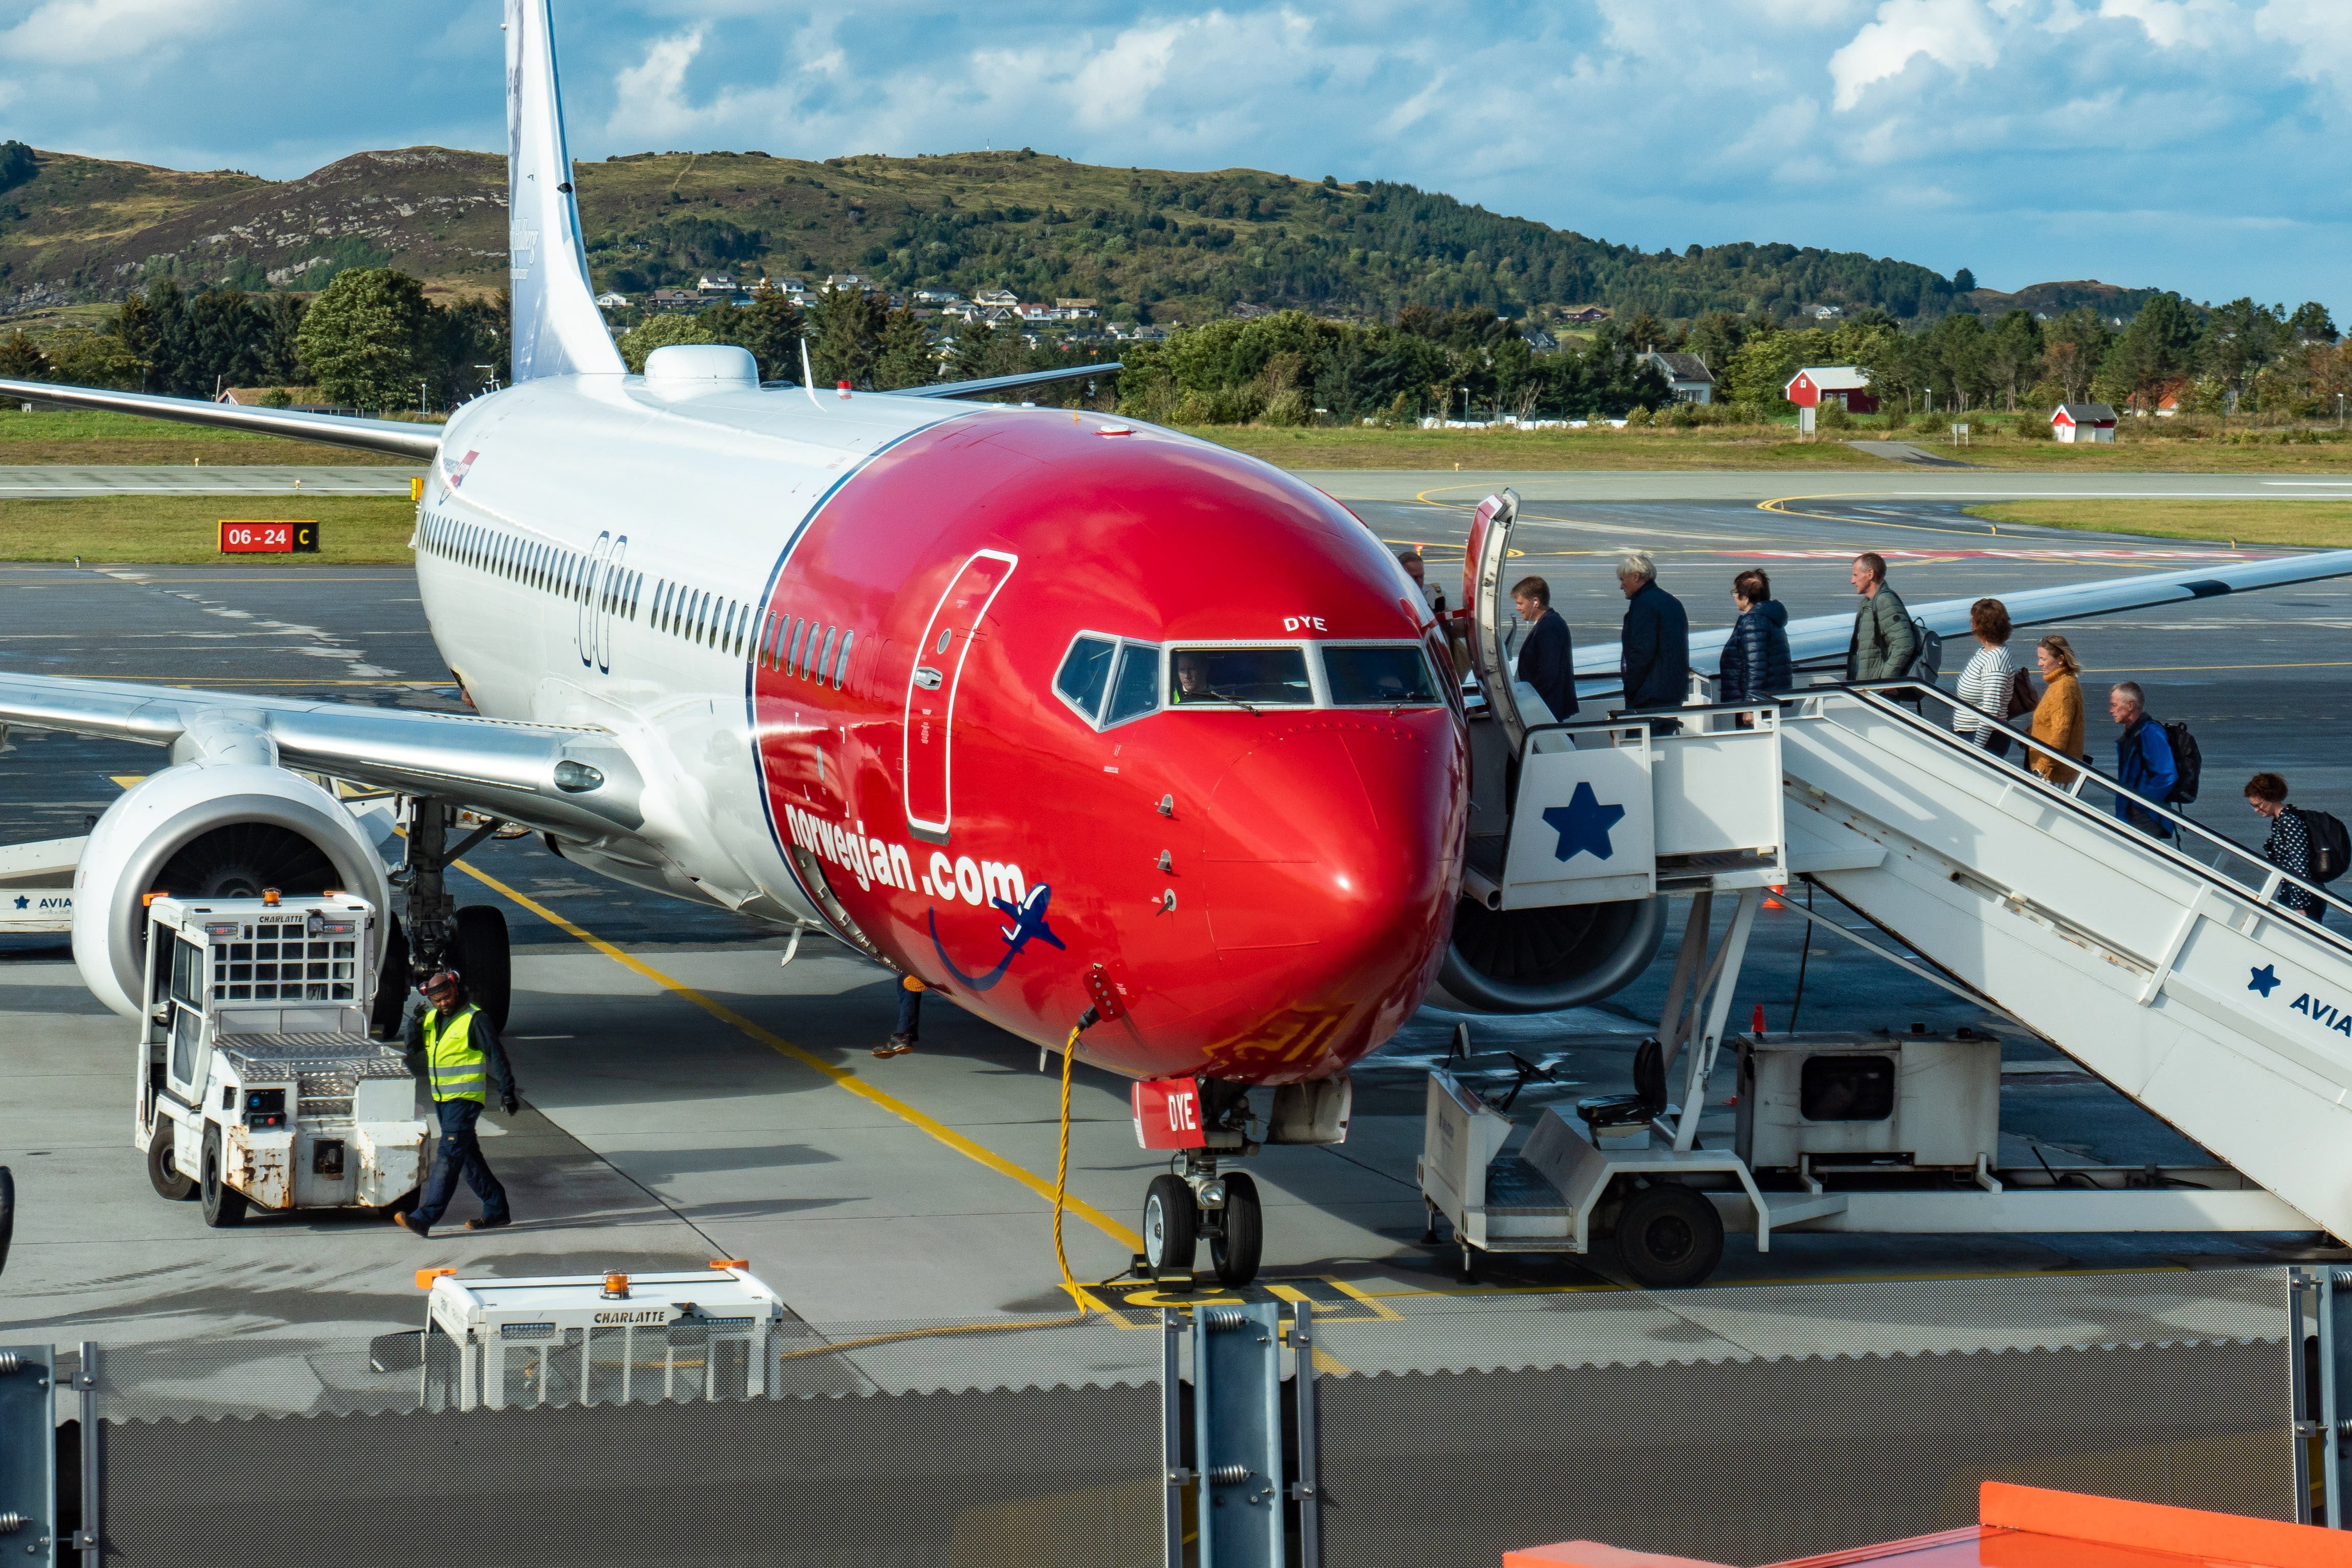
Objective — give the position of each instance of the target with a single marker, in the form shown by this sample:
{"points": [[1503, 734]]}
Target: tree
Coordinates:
{"points": [[2013, 353], [2311, 324], [368, 338], [21, 359], [1964, 281], [661, 333], [2158, 349], [82, 358], [2074, 346], [904, 357], [772, 327], [846, 336], [2241, 338], [1716, 337]]}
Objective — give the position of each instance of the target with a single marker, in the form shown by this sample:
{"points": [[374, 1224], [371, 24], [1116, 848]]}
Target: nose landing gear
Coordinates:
{"points": [[1180, 1212]]}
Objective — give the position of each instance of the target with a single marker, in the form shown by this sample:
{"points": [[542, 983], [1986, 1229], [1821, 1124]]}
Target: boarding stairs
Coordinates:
{"points": [[2170, 969]]}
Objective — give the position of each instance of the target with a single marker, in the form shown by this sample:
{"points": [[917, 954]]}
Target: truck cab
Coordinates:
{"points": [[256, 1083]]}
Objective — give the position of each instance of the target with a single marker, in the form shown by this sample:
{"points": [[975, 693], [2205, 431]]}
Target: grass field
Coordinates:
{"points": [[353, 530], [1754, 447], [2316, 524], [124, 438]]}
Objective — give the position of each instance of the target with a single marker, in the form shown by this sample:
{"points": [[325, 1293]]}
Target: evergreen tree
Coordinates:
{"points": [[21, 359], [2157, 349], [368, 337], [846, 336]]}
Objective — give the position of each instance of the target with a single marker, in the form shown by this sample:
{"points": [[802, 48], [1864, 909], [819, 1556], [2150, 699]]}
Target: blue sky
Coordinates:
{"points": [[2197, 144]]}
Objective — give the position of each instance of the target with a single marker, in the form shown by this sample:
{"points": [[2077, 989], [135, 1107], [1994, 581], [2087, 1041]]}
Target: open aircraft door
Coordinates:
{"points": [[1483, 597], [931, 685]]}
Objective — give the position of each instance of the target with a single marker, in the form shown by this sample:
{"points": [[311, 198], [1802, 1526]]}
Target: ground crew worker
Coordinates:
{"points": [[910, 1020], [453, 1047]]}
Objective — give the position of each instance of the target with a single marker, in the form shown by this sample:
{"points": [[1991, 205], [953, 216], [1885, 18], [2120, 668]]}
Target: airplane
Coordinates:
{"points": [[901, 667]]}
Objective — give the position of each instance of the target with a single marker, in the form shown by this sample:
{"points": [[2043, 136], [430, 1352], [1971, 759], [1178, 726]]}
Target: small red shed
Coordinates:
{"points": [[2082, 421], [1846, 385]]}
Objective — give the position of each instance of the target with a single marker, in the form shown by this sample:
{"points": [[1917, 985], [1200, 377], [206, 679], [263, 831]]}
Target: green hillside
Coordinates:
{"points": [[1147, 243]]}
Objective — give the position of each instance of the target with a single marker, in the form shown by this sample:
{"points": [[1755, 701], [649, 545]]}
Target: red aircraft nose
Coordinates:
{"points": [[1330, 859]]}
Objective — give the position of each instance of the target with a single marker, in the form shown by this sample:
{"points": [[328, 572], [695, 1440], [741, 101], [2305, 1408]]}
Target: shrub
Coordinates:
{"points": [[1832, 416], [1896, 420]]}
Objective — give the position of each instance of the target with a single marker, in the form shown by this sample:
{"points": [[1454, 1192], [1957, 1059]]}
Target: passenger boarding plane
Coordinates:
{"points": [[970, 686]]}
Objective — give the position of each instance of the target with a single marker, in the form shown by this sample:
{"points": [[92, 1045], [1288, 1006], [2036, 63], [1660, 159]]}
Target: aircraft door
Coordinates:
{"points": [[1488, 601], [587, 595], [932, 689]]}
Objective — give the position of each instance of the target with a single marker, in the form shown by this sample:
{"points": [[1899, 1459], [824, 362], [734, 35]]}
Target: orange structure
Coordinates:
{"points": [[2027, 1527]]}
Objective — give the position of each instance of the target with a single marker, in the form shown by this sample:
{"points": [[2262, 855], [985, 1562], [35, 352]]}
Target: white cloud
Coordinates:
{"points": [[92, 32], [1954, 34]]}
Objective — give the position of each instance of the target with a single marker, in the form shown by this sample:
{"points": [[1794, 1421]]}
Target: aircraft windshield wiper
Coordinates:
{"points": [[1218, 693]]}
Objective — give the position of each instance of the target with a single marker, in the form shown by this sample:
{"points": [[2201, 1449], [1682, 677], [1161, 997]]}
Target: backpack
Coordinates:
{"points": [[2331, 844], [1929, 659], [2186, 762]]}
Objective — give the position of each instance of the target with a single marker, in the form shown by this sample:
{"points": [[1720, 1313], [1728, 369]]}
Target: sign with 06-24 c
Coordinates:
{"points": [[268, 535]]}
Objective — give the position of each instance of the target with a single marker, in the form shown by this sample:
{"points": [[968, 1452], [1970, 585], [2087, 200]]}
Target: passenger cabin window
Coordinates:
{"points": [[1254, 676], [1387, 677], [840, 664]]}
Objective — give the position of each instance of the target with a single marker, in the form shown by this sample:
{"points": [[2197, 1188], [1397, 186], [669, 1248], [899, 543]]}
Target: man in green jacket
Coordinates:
{"points": [[1884, 642]]}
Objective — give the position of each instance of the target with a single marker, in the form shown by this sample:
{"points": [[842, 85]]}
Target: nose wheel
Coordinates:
{"points": [[1180, 1212]]}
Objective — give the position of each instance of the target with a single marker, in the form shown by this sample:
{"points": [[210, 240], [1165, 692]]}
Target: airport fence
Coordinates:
{"points": [[1742, 1425]]}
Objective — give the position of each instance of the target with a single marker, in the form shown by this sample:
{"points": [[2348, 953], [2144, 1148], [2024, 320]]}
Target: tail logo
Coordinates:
{"points": [[1028, 919]]}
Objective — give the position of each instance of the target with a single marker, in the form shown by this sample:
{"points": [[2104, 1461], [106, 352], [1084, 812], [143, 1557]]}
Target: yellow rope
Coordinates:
{"points": [[1062, 1177]]}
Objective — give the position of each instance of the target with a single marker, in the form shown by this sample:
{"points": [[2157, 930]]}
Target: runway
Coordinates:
{"points": [[1900, 484], [56, 481], [689, 1098]]}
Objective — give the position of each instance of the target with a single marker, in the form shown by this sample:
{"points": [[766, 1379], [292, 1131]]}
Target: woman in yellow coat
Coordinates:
{"points": [[2058, 717]]}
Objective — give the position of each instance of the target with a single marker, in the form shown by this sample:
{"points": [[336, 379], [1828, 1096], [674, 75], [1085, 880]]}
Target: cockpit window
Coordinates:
{"points": [[1254, 676], [1085, 673], [1136, 691], [1379, 676]]}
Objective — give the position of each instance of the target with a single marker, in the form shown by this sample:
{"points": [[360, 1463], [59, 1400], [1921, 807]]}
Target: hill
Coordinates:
{"points": [[1147, 243]]}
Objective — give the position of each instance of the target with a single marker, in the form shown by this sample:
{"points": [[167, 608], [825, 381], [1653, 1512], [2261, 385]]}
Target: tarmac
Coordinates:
{"points": [[688, 1097]]}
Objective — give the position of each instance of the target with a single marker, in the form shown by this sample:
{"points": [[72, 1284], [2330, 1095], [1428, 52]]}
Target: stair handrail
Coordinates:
{"points": [[1880, 697]]}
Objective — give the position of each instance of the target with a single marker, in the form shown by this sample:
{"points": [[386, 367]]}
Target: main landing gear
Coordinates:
{"points": [[431, 930]]}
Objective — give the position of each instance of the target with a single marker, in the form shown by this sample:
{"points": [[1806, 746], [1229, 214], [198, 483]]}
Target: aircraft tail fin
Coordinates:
{"points": [[558, 330]]}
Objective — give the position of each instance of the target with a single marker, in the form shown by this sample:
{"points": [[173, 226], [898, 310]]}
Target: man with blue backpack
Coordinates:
{"points": [[2145, 760]]}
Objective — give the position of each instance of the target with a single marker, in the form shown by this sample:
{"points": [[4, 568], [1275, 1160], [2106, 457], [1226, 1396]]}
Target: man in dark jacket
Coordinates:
{"points": [[1885, 642], [1653, 652], [1755, 662], [454, 1048], [1548, 658], [2144, 763]]}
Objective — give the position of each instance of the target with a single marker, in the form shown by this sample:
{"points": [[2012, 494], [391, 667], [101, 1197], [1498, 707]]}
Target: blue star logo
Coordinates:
{"points": [[2263, 981], [23, 903], [1583, 825]]}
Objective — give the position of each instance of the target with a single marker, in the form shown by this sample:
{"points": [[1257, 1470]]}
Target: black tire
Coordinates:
{"points": [[483, 959], [391, 983], [1668, 1236], [224, 1205], [1239, 1242], [7, 1213], [1171, 1225], [165, 1178]]}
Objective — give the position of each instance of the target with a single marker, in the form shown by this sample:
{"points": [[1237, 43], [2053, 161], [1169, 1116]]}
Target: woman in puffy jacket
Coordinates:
{"points": [[1755, 655]]}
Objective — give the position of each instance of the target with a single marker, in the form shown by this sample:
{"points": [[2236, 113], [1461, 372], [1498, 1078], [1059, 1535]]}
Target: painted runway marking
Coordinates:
{"points": [[840, 1077]]}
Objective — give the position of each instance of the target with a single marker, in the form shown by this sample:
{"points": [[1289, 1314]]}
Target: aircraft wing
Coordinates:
{"points": [[986, 384], [1822, 639], [511, 770], [401, 439]]}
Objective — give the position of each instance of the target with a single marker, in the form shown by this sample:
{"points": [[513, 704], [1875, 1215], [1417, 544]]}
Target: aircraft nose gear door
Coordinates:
{"points": [[932, 689], [1483, 595]]}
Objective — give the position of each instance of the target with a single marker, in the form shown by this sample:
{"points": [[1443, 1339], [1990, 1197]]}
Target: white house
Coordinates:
{"points": [[716, 283], [2076, 422], [999, 296], [1686, 375], [613, 301], [935, 297]]}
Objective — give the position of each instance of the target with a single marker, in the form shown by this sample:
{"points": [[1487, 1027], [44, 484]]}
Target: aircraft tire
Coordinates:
{"points": [[1669, 1236], [224, 1205], [1239, 1243], [1172, 1223], [484, 959], [167, 1178]]}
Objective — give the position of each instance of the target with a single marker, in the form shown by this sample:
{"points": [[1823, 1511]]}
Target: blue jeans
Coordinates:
{"points": [[910, 1013], [461, 1148]]}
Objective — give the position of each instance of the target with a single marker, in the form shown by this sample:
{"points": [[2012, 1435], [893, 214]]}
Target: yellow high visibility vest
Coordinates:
{"points": [[451, 1058]]}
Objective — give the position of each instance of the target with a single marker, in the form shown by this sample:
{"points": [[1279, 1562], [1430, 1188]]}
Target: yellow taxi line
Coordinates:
{"points": [[840, 1077]]}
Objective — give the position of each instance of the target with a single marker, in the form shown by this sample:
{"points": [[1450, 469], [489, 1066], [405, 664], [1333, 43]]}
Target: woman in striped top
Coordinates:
{"points": [[1984, 685]]}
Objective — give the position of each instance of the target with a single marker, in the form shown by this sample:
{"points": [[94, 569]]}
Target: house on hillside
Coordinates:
{"points": [[1686, 375], [1586, 317], [2082, 422], [1003, 298], [1819, 386], [935, 297], [1821, 312], [716, 283], [610, 301], [676, 300], [1542, 342]]}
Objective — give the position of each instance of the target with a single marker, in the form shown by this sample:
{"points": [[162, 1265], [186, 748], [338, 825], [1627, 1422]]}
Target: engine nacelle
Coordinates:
{"points": [[208, 829], [1539, 960]]}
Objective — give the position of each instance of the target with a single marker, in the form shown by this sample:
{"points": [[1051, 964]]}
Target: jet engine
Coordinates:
{"points": [[1537, 960], [220, 830]]}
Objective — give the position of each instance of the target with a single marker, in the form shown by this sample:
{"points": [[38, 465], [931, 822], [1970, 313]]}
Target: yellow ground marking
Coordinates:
{"points": [[183, 682], [1929, 1278], [125, 780], [1781, 505], [841, 1077]]}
